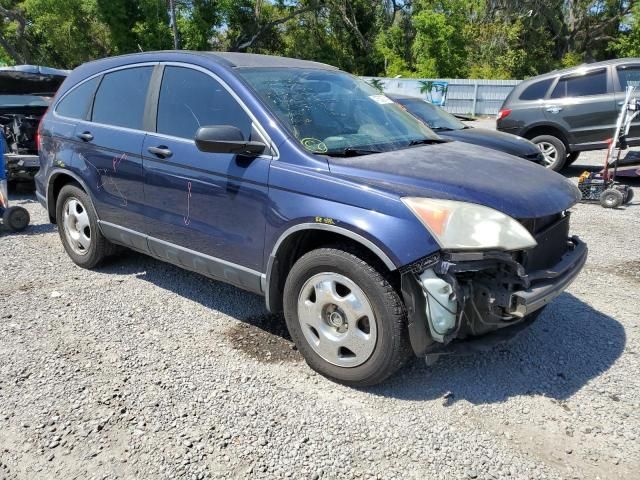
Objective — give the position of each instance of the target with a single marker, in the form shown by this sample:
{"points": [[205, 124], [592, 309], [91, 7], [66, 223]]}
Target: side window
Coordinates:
{"points": [[536, 90], [593, 83], [629, 76], [190, 99], [121, 98], [77, 102]]}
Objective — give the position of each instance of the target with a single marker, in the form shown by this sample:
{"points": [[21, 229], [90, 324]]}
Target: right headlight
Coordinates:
{"points": [[468, 226]]}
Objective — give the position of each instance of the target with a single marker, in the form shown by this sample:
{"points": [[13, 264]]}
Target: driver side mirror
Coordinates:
{"points": [[226, 139]]}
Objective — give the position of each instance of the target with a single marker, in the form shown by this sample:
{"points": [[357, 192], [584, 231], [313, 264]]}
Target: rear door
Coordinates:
{"points": [[206, 210], [583, 104], [628, 75], [110, 146]]}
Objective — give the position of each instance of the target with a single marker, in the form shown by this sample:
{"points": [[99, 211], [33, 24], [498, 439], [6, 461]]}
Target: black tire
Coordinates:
{"points": [[99, 247], [572, 157], [611, 198], [391, 348], [560, 158], [629, 196], [16, 219]]}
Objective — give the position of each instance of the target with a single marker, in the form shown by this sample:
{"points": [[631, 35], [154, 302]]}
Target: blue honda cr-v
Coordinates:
{"points": [[302, 183]]}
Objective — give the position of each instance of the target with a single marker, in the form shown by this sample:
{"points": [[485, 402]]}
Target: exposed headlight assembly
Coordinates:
{"points": [[468, 226]]}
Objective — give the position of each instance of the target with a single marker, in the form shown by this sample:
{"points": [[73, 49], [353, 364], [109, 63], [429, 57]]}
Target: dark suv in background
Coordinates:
{"points": [[568, 111]]}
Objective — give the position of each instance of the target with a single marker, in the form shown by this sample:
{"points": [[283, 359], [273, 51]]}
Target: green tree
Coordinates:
{"points": [[135, 26], [439, 44], [627, 43]]}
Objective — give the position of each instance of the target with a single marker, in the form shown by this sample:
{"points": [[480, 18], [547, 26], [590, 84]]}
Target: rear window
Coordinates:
{"points": [[629, 76], [594, 83], [121, 98], [536, 90], [76, 103]]}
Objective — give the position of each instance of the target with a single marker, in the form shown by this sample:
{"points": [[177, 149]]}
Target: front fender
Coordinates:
{"points": [[321, 203]]}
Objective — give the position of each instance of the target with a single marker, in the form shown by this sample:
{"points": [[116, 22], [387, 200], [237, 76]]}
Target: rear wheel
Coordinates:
{"points": [[346, 319], [553, 150], [78, 228]]}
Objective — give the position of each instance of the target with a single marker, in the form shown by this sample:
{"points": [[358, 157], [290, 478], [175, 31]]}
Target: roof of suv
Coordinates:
{"points": [[589, 66], [228, 59], [236, 59]]}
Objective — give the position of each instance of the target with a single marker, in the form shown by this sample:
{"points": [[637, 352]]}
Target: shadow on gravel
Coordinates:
{"points": [[261, 335], [570, 344]]}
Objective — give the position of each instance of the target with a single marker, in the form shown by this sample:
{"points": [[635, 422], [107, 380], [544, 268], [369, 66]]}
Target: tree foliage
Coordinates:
{"points": [[412, 38]]}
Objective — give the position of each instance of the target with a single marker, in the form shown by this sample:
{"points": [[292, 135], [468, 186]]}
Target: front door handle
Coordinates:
{"points": [[85, 136], [161, 151], [553, 109]]}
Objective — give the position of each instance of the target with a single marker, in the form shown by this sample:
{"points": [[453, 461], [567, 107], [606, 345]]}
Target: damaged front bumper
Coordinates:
{"points": [[488, 297]]}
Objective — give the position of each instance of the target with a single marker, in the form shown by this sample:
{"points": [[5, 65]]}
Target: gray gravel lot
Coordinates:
{"points": [[142, 370]]}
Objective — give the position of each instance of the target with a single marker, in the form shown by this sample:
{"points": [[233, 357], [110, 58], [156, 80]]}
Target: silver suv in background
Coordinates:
{"points": [[568, 111]]}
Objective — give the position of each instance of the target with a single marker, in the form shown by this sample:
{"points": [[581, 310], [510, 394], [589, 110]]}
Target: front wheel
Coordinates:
{"points": [[553, 150], [345, 317]]}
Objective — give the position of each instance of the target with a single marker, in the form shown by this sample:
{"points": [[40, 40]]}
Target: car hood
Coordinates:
{"points": [[505, 142], [464, 172], [30, 80]]}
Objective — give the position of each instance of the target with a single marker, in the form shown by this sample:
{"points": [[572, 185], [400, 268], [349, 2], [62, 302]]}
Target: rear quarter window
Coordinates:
{"points": [[629, 76], [77, 102], [536, 90], [121, 98]]}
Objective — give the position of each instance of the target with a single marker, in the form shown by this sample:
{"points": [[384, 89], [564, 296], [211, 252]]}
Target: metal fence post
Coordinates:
{"points": [[475, 98]]}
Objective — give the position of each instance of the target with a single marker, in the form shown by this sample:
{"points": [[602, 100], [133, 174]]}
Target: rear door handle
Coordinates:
{"points": [[85, 136], [161, 151], [553, 109]]}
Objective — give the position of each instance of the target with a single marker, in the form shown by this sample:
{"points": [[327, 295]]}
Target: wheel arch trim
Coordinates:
{"points": [[365, 242], [566, 137], [55, 173]]}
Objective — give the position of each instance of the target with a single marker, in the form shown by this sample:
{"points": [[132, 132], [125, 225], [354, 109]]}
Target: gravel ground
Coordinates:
{"points": [[143, 370]]}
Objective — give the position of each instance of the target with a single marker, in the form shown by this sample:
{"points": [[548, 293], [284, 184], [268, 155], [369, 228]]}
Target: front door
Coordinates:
{"points": [[206, 210]]}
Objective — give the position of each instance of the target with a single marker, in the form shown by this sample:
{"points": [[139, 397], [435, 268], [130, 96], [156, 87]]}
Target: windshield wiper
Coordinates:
{"points": [[351, 152], [426, 141], [442, 129]]}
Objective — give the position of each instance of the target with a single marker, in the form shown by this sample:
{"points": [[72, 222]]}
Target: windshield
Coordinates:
{"points": [[24, 101], [332, 112], [433, 116]]}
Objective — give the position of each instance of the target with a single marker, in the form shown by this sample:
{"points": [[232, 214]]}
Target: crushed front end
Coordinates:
{"points": [[488, 296]]}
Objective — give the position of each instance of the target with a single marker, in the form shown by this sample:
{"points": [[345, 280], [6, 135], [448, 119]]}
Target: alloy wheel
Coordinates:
{"points": [[549, 152]]}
